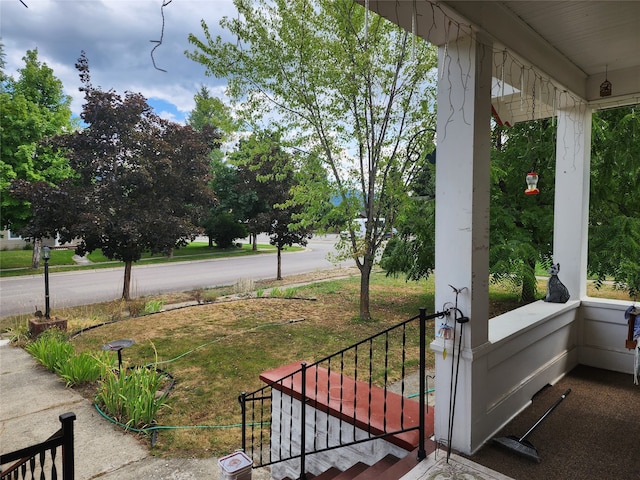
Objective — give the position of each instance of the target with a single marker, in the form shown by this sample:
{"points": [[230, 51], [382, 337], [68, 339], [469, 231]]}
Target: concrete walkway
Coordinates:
{"points": [[32, 399]]}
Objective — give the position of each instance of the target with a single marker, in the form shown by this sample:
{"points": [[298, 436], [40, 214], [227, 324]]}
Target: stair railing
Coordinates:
{"points": [[32, 462], [270, 439]]}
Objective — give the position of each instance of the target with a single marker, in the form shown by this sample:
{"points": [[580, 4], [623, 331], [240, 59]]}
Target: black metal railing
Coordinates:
{"points": [[341, 385], [33, 462]]}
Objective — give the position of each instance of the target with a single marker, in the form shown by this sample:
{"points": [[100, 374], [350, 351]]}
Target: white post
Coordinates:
{"points": [[571, 205], [462, 226]]}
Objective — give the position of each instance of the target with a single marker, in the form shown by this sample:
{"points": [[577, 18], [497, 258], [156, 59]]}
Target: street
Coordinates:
{"points": [[26, 293]]}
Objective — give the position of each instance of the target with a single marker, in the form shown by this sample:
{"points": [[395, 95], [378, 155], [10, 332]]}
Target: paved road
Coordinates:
{"points": [[24, 294]]}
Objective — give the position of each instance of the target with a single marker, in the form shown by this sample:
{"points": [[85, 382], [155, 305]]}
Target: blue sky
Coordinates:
{"points": [[117, 37]]}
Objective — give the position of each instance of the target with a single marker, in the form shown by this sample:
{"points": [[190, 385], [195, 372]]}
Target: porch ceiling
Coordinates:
{"points": [[573, 46]]}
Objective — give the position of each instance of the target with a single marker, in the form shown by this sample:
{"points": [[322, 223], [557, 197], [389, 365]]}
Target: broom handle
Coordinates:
{"points": [[562, 397]]}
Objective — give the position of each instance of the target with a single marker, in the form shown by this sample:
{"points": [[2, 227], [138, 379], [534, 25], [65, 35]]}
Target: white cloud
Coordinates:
{"points": [[117, 38]]}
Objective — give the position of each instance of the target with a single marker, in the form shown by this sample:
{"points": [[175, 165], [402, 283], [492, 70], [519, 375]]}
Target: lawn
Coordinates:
{"points": [[217, 350]]}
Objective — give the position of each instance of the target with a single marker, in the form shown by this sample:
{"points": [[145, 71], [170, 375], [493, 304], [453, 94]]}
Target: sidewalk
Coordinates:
{"points": [[32, 400]]}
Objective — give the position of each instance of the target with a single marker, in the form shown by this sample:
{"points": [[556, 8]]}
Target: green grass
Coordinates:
{"points": [[18, 262], [22, 258]]}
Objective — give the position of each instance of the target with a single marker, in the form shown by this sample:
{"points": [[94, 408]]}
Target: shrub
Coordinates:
{"points": [[276, 292], [224, 229], [153, 306], [130, 396], [51, 349], [85, 367], [290, 292]]}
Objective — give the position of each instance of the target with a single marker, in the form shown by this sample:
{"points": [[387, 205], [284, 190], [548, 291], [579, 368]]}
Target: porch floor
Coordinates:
{"points": [[593, 434]]}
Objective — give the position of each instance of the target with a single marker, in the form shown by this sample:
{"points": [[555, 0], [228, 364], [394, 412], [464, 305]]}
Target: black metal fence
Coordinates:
{"points": [[375, 363], [33, 462]]}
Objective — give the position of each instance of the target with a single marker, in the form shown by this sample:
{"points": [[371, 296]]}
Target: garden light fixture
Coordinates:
{"points": [[46, 255]]}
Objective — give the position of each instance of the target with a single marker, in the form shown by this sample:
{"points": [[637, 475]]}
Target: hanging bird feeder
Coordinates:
{"points": [[532, 184]]}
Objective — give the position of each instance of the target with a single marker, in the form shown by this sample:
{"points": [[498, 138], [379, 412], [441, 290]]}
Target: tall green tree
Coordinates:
{"points": [[139, 184], [213, 112], [614, 214], [225, 221], [32, 107], [412, 250], [346, 85], [521, 225], [222, 221], [268, 174]]}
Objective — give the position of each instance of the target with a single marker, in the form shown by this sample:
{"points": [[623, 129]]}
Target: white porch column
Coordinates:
{"points": [[462, 227], [571, 204]]}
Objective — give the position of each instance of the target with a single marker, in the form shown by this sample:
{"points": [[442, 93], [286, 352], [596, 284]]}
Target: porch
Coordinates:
{"points": [[521, 61]]}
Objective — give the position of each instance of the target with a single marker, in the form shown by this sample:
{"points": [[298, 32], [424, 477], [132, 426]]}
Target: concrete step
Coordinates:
{"points": [[377, 468], [401, 467], [330, 474], [352, 472]]}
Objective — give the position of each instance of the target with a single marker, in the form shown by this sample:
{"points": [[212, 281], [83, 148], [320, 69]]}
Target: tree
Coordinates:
{"points": [[270, 170], [614, 222], [32, 108], [139, 184], [224, 222], [341, 82], [213, 112], [283, 230], [252, 188], [412, 250], [521, 225]]}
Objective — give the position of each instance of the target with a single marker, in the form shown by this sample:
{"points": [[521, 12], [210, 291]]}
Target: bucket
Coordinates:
{"points": [[236, 466]]}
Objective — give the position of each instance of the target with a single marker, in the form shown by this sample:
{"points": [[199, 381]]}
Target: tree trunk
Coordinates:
{"points": [[279, 276], [365, 277], [210, 242], [35, 255], [254, 241], [126, 288]]}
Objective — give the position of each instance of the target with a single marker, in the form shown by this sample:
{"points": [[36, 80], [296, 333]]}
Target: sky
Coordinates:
{"points": [[117, 37]]}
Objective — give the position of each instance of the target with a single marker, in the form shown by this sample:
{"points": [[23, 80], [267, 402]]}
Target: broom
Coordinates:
{"points": [[521, 446]]}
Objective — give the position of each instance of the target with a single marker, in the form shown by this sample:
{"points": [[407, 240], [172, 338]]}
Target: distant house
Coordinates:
{"points": [[11, 241]]}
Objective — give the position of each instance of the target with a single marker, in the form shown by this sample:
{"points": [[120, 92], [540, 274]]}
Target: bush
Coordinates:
{"points": [[51, 349], [153, 306], [224, 229], [129, 396], [85, 368]]}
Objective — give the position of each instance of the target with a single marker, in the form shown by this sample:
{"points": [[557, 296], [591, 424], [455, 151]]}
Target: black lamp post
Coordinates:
{"points": [[46, 255]]}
